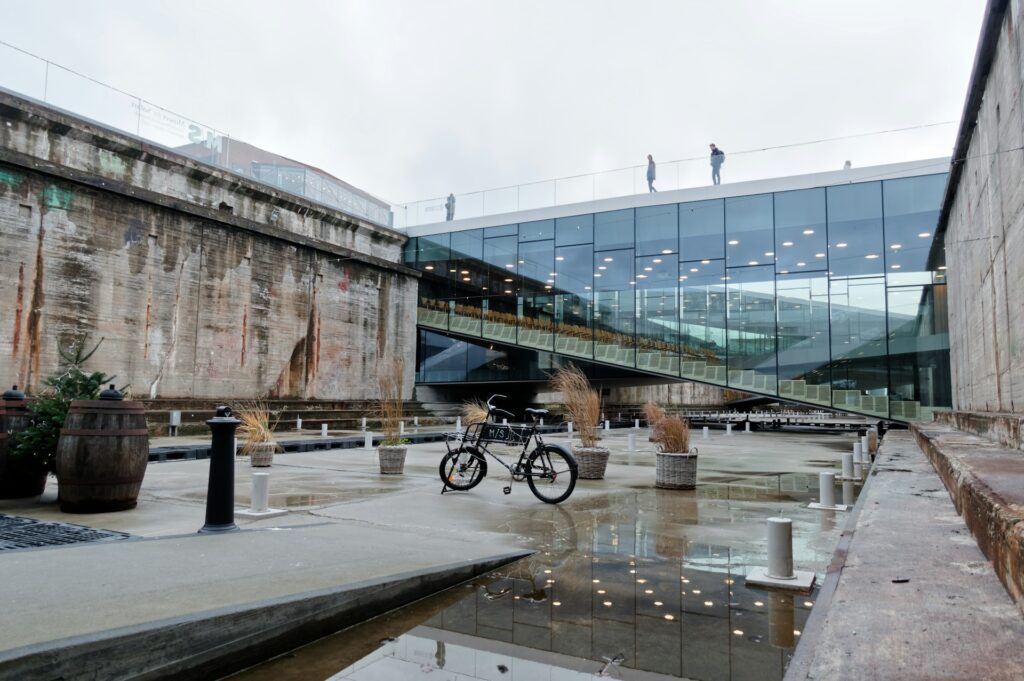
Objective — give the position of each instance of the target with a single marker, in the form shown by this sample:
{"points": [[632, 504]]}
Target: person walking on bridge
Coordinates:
{"points": [[651, 174], [717, 159], [449, 207]]}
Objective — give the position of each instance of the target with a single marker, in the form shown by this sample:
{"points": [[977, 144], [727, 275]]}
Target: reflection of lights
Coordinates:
{"points": [[705, 262], [752, 262], [586, 288], [609, 259], [801, 264], [695, 269], [632, 572], [508, 291], [656, 261], [508, 281], [733, 242], [429, 267], [658, 604], [464, 272], [819, 255], [942, 267], [808, 231], [758, 603], [602, 267], [696, 591], [453, 271], [522, 262], [608, 604], [769, 254], [725, 278], [465, 279], [787, 243], [666, 251], [796, 632], [871, 256], [632, 283], [895, 267], [551, 581], [597, 274], [641, 581], [730, 580], [808, 603], [648, 591], [682, 278], [841, 244], [641, 276], [896, 247], [709, 603], [548, 287], [556, 603], [685, 580], [648, 269], [509, 265], [596, 581], [924, 234], [738, 632]]}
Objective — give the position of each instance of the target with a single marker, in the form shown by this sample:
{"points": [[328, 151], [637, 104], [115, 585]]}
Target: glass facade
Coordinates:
{"points": [[832, 296]]}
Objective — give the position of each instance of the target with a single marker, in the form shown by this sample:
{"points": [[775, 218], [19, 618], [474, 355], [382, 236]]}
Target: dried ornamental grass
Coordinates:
{"points": [[654, 415], [581, 401], [474, 411], [390, 377], [674, 434], [256, 428]]}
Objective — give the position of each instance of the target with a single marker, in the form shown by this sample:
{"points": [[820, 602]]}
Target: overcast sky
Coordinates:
{"points": [[412, 99]]}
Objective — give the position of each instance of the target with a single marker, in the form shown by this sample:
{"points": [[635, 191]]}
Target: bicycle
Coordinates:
{"points": [[550, 470]]}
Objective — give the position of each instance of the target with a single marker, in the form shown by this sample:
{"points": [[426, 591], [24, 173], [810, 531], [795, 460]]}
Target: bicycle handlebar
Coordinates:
{"points": [[492, 397], [495, 409]]}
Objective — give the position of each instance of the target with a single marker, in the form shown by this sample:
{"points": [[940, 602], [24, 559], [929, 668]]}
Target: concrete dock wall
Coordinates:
{"points": [[201, 283]]}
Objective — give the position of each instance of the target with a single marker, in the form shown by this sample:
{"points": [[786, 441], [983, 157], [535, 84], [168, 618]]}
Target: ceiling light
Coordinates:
{"points": [[924, 234], [787, 243], [648, 269], [733, 242], [465, 279], [429, 267], [769, 254], [510, 265], [801, 264], [896, 267], [559, 258], [641, 276], [508, 281], [819, 255], [666, 251], [453, 271], [609, 259], [586, 288], [752, 262], [597, 274], [841, 244], [942, 267], [808, 231], [694, 269], [632, 283], [464, 272], [547, 287], [602, 267], [552, 274], [725, 278], [507, 291], [522, 262], [871, 256], [896, 247]]}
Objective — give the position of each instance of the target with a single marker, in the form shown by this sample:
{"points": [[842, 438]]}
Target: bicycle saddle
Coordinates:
{"points": [[537, 412]]}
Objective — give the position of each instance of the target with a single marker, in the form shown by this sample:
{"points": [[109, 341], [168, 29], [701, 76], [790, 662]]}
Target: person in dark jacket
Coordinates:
{"points": [[717, 159], [449, 207], [651, 174]]}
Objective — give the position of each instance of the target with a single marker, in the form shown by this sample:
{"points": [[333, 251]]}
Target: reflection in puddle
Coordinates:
{"points": [[616, 588]]}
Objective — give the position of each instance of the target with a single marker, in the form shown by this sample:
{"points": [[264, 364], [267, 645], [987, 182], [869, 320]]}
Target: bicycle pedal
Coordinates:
{"points": [[507, 490]]}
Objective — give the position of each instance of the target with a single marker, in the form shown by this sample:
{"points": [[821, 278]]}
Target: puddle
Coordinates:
{"points": [[565, 616]]}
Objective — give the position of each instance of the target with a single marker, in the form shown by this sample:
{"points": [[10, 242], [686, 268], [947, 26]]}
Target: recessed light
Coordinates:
{"points": [[453, 271], [769, 254], [508, 281], [725, 278], [694, 269], [632, 283], [871, 256], [733, 242], [608, 259], [705, 262], [586, 288], [924, 234], [552, 274], [648, 269], [896, 247], [896, 267], [752, 262], [819, 255], [801, 264], [808, 231], [510, 265], [597, 274], [465, 279], [787, 243], [641, 276], [547, 287], [507, 291], [841, 244], [942, 267], [656, 261], [602, 267], [464, 272], [666, 251], [429, 267]]}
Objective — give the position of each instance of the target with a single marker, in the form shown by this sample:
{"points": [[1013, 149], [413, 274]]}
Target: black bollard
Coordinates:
{"points": [[220, 494]]}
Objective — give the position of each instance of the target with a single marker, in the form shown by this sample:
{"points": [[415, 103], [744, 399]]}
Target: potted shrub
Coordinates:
{"points": [[584, 407], [654, 415], [676, 463], [392, 449], [258, 433], [32, 453]]}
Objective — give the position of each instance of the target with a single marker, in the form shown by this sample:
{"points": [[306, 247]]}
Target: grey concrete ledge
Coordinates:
{"points": [[222, 641]]}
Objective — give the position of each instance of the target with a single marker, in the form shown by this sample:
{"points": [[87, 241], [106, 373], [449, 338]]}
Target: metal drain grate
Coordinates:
{"points": [[25, 533]]}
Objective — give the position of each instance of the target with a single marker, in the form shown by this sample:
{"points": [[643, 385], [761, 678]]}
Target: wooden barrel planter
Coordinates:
{"points": [[15, 481], [102, 454]]}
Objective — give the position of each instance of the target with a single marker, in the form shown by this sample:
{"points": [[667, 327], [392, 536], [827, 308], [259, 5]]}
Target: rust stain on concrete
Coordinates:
{"points": [[19, 306], [35, 314], [245, 330]]}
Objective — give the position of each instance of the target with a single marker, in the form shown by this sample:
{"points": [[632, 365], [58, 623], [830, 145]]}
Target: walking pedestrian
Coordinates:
{"points": [[449, 207], [717, 159], [651, 174]]}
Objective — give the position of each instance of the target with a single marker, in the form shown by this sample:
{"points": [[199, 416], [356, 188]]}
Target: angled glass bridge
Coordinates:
{"points": [[827, 290]]}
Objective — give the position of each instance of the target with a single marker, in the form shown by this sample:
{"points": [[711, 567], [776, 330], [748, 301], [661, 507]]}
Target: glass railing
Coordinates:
{"points": [[28, 75], [653, 355], [869, 149]]}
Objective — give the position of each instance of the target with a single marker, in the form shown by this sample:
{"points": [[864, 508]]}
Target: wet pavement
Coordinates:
{"points": [[651, 577]]}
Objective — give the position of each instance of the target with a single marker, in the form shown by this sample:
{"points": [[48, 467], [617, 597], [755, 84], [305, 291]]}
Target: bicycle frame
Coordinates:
{"points": [[476, 435]]}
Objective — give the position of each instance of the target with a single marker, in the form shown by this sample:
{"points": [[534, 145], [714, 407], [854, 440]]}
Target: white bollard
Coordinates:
{"points": [[236, 445], [728, 429], [607, 425], [826, 489], [570, 428], [847, 493], [504, 422], [780, 548], [848, 466], [401, 427], [363, 424], [632, 442], [416, 421], [298, 423], [260, 492], [865, 448], [857, 452], [458, 423], [705, 433], [858, 469], [368, 440], [746, 427], [636, 423], [542, 420], [323, 430]]}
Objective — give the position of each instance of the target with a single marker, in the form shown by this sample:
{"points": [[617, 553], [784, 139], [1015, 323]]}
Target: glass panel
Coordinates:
{"points": [[537, 231], [468, 244], [614, 307], [502, 230], [613, 230], [500, 321], [855, 229], [574, 230], [702, 314], [440, 358], [748, 230], [657, 230], [409, 251], [911, 214], [751, 307], [657, 336], [919, 375], [537, 313], [702, 230], [860, 368], [801, 243], [574, 269], [803, 337]]}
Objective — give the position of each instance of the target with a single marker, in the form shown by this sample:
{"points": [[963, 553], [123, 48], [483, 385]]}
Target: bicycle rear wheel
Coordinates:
{"points": [[462, 469], [551, 474]]}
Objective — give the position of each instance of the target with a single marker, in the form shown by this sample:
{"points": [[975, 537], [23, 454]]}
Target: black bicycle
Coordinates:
{"points": [[550, 470]]}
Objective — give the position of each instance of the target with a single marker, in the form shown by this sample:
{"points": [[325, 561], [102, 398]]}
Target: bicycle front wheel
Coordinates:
{"points": [[463, 469], [551, 474]]}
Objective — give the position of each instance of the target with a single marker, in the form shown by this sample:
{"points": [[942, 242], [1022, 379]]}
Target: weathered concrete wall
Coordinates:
{"points": [[203, 284], [673, 394], [985, 241]]}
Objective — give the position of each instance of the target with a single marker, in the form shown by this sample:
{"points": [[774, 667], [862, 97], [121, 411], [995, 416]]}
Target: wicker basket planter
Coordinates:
{"points": [[392, 459], [591, 461], [262, 454], [676, 471]]}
